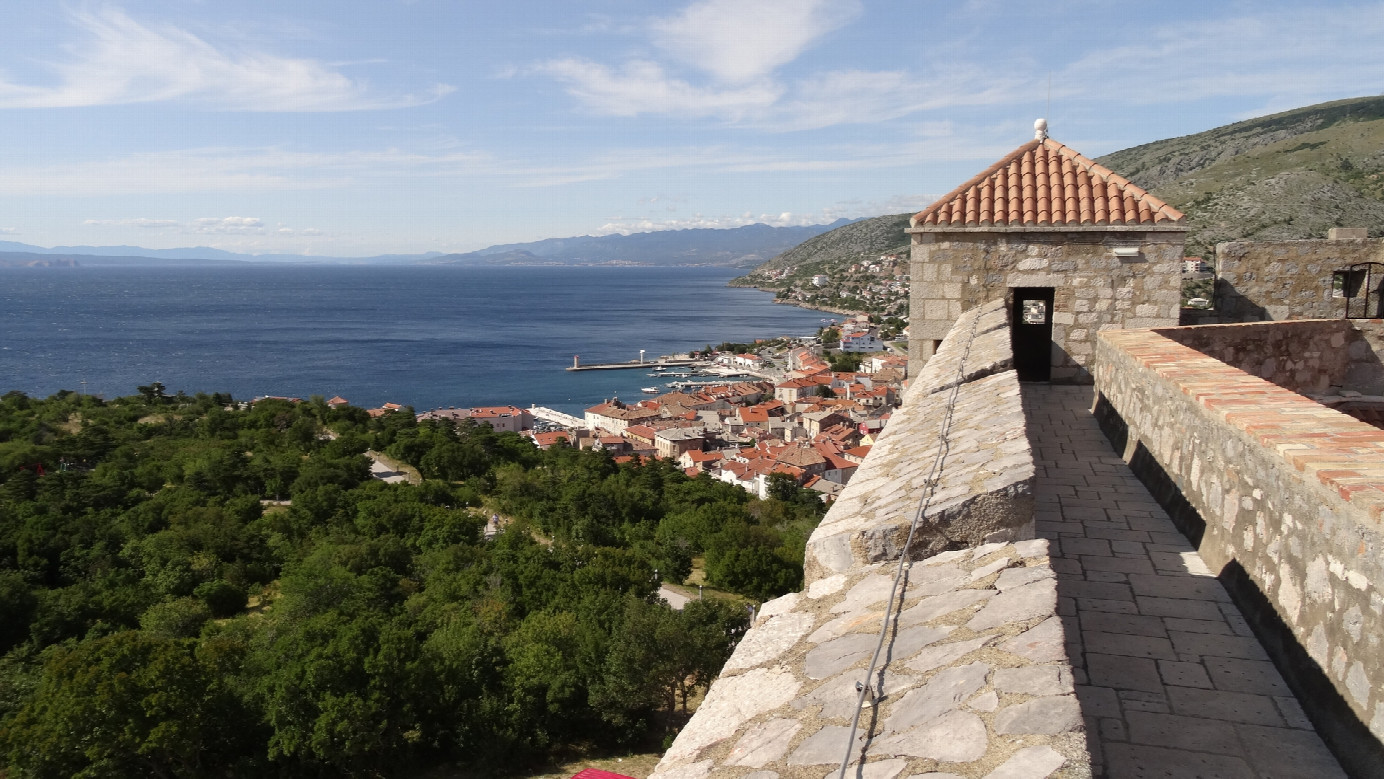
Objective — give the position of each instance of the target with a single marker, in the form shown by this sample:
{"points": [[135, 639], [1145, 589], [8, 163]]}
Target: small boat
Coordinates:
{"points": [[649, 390]]}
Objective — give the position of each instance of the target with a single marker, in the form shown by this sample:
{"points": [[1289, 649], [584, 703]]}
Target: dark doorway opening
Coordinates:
{"points": [[1030, 332]]}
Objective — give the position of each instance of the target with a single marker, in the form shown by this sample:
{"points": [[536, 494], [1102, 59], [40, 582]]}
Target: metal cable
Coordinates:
{"points": [[876, 688]]}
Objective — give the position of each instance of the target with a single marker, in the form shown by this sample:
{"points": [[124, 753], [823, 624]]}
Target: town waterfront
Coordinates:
{"points": [[426, 336]]}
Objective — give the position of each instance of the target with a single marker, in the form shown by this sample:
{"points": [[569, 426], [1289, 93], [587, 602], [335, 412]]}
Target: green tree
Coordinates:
{"points": [[129, 704]]}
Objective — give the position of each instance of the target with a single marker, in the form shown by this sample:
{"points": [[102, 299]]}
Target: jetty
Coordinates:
{"points": [[619, 366]]}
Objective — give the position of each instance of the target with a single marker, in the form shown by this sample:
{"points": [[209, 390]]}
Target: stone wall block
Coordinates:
{"points": [[1289, 489]]}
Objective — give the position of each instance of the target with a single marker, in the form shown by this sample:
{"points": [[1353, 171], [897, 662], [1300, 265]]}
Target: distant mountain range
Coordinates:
{"points": [[734, 247]]}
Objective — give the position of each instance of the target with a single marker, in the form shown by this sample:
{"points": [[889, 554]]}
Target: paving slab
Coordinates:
{"points": [[1170, 679]]}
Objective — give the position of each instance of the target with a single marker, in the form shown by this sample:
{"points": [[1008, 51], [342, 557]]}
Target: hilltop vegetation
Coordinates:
{"points": [[164, 613], [1290, 175]]}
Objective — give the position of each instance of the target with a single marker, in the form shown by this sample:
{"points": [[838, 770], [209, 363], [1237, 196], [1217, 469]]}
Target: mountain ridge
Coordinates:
{"points": [[734, 247]]}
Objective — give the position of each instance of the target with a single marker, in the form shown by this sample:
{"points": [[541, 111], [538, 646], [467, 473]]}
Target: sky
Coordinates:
{"points": [[366, 127]]}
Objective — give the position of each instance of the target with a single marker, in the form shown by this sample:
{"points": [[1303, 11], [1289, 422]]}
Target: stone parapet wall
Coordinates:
{"points": [[984, 490], [1291, 494], [974, 674], [976, 680], [1280, 280], [1308, 357]]}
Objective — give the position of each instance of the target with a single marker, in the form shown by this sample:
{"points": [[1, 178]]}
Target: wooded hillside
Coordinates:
{"points": [[163, 613]]}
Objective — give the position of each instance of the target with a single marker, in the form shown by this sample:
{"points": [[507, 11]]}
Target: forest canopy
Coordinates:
{"points": [[194, 586]]}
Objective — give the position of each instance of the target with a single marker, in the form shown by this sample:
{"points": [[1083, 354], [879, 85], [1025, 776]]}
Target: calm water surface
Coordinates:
{"points": [[421, 336]]}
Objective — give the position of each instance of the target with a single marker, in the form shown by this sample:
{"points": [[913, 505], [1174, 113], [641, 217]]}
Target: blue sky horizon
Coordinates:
{"points": [[365, 127]]}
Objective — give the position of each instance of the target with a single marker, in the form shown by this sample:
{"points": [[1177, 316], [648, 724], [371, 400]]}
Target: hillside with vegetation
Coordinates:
{"points": [[1289, 175], [194, 587], [850, 257]]}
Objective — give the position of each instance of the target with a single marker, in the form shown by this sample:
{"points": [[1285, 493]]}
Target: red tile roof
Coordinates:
{"points": [[1046, 183]]}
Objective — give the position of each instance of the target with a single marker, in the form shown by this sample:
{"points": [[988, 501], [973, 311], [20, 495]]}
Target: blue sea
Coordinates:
{"points": [[425, 336]]}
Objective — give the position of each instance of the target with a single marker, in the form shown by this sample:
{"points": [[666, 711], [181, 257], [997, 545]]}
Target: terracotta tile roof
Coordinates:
{"points": [[1045, 183]]}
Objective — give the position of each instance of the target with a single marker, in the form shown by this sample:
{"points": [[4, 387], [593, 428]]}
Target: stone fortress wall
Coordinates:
{"points": [[1280, 280], [1283, 496], [976, 679]]}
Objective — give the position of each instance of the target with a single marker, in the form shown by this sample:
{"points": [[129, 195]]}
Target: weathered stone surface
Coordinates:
{"points": [[1034, 680], [909, 640], [839, 697], [1029, 763], [984, 494], [945, 654], [780, 605], [929, 609], [763, 743], [730, 703], [828, 586], [697, 770], [943, 693], [850, 622], [867, 592], [1056, 714], [839, 654], [827, 745], [1017, 577], [987, 701], [1043, 643], [875, 769], [929, 580], [769, 640], [955, 737], [1021, 603]]}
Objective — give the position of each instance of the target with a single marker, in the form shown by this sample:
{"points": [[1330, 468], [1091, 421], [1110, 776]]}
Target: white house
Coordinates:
{"points": [[861, 342]]}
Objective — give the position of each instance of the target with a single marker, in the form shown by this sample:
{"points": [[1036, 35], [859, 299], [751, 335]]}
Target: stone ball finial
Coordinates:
{"points": [[1040, 129]]}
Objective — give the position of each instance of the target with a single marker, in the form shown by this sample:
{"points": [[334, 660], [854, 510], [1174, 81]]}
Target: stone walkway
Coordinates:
{"points": [[1171, 681]]}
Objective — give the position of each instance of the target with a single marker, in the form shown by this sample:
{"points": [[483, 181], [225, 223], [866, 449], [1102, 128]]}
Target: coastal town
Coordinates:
{"points": [[778, 407]]}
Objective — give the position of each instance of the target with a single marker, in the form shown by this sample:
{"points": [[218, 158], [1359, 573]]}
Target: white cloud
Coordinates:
{"points": [[743, 41], [741, 46], [228, 225], [124, 61], [643, 87], [9, 231]]}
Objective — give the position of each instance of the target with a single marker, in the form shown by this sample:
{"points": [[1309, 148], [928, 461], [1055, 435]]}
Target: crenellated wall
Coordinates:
{"points": [[975, 677], [1284, 495]]}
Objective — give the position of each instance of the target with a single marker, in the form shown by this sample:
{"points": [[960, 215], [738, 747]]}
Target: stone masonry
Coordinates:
{"points": [[985, 491], [1045, 218], [1171, 679], [1103, 647], [1309, 357], [1291, 494], [1280, 280], [975, 679], [1093, 288]]}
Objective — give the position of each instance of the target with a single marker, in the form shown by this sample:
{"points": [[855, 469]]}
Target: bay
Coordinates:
{"points": [[426, 336]]}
